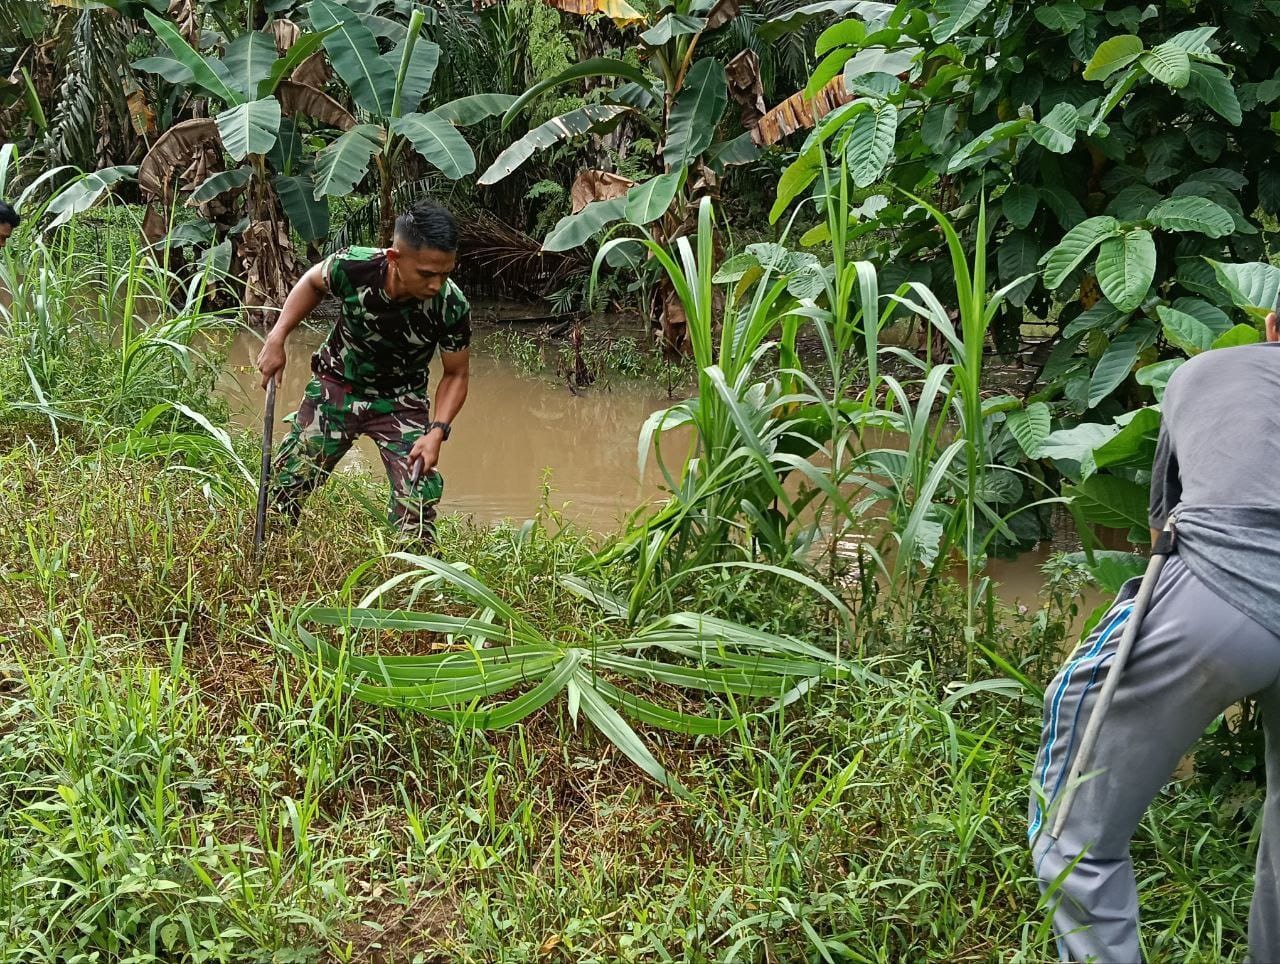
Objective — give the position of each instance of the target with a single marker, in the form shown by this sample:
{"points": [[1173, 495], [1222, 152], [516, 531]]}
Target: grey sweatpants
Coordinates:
{"points": [[1195, 656]]}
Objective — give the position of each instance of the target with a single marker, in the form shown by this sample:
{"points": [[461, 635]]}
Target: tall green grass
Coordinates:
{"points": [[95, 344], [173, 787], [94, 336]]}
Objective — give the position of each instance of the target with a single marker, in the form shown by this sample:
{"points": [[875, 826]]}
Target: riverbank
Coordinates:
{"points": [[175, 783]]}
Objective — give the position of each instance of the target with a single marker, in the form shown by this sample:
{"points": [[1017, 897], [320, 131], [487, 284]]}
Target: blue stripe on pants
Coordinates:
{"points": [[1116, 622]]}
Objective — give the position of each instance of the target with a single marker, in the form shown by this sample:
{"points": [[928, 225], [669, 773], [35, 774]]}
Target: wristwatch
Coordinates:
{"points": [[443, 427]]}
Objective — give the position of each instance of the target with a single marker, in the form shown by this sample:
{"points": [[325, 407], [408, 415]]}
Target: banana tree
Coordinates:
{"points": [[255, 128], [680, 99], [388, 89]]}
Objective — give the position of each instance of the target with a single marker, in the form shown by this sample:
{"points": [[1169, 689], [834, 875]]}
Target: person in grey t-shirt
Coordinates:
{"points": [[1211, 638]]}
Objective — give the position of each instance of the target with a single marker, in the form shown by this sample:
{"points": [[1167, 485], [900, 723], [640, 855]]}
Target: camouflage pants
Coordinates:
{"points": [[326, 425]]}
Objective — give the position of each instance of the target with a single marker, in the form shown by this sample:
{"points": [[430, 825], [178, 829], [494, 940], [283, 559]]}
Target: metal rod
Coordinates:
{"points": [[1094, 728], [264, 476]]}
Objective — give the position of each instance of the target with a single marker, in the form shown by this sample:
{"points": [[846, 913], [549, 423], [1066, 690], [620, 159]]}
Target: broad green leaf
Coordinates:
{"points": [[649, 201], [595, 67], [220, 183], [740, 150], [250, 128], [174, 71], [577, 229], [698, 108], [1196, 214], [466, 111], [1214, 88], [354, 52], [846, 33], [1197, 275], [419, 70], [1239, 335], [828, 68], [1126, 268], [879, 60], [1064, 205], [1211, 316], [1019, 204], [816, 235], [1057, 130], [1111, 501], [1112, 55], [342, 165], [1117, 361], [1077, 444], [383, 28], [285, 156], [1156, 376], [1254, 287], [1030, 426], [955, 15], [632, 95], [249, 60], [302, 48], [790, 21], [309, 217], [84, 193], [870, 145], [832, 124], [1063, 17], [1185, 331], [438, 141], [671, 26], [1133, 203], [967, 155], [554, 131], [1017, 258], [1268, 190], [1134, 446], [1119, 91], [188, 234], [1194, 41], [1075, 247], [1102, 315], [802, 172], [1168, 64], [209, 74]]}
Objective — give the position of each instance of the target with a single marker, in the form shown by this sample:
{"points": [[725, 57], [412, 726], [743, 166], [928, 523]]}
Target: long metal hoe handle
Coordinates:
{"points": [[264, 476], [1090, 740]]}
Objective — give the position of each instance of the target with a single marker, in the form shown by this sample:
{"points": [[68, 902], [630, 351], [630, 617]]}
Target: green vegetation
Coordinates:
{"points": [[780, 715], [176, 787]]}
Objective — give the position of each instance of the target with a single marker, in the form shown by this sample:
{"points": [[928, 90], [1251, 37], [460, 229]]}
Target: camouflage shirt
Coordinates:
{"points": [[381, 348]]}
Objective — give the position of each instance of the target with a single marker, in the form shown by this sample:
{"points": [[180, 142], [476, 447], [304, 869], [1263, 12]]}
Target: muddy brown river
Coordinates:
{"points": [[518, 430], [514, 431]]}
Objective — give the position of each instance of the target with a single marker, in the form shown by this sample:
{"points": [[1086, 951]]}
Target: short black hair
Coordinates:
{"points": [[9, 216], [428, 225]]}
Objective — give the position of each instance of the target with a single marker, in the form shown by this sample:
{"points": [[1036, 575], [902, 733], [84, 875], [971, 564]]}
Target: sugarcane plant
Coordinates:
{"points": [[499, 667]]}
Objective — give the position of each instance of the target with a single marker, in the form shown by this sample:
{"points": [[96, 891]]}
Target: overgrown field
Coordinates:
{"points": [[174, 786]]}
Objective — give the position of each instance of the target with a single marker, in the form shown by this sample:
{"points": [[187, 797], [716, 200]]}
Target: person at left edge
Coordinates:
{"points": [[9, 222]]}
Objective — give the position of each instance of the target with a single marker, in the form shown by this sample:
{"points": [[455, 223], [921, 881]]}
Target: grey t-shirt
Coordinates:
{"points": [[1218, 464]]}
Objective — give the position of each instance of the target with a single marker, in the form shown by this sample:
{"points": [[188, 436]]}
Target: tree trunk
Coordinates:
{"points": [[386, 208]]}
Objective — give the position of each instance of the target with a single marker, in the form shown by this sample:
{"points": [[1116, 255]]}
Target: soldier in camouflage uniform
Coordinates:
{"points": [[370, 375]]}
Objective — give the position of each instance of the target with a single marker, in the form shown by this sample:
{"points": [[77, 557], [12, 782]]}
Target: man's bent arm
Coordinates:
{"points": [[306, 295], [452, 392]]}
